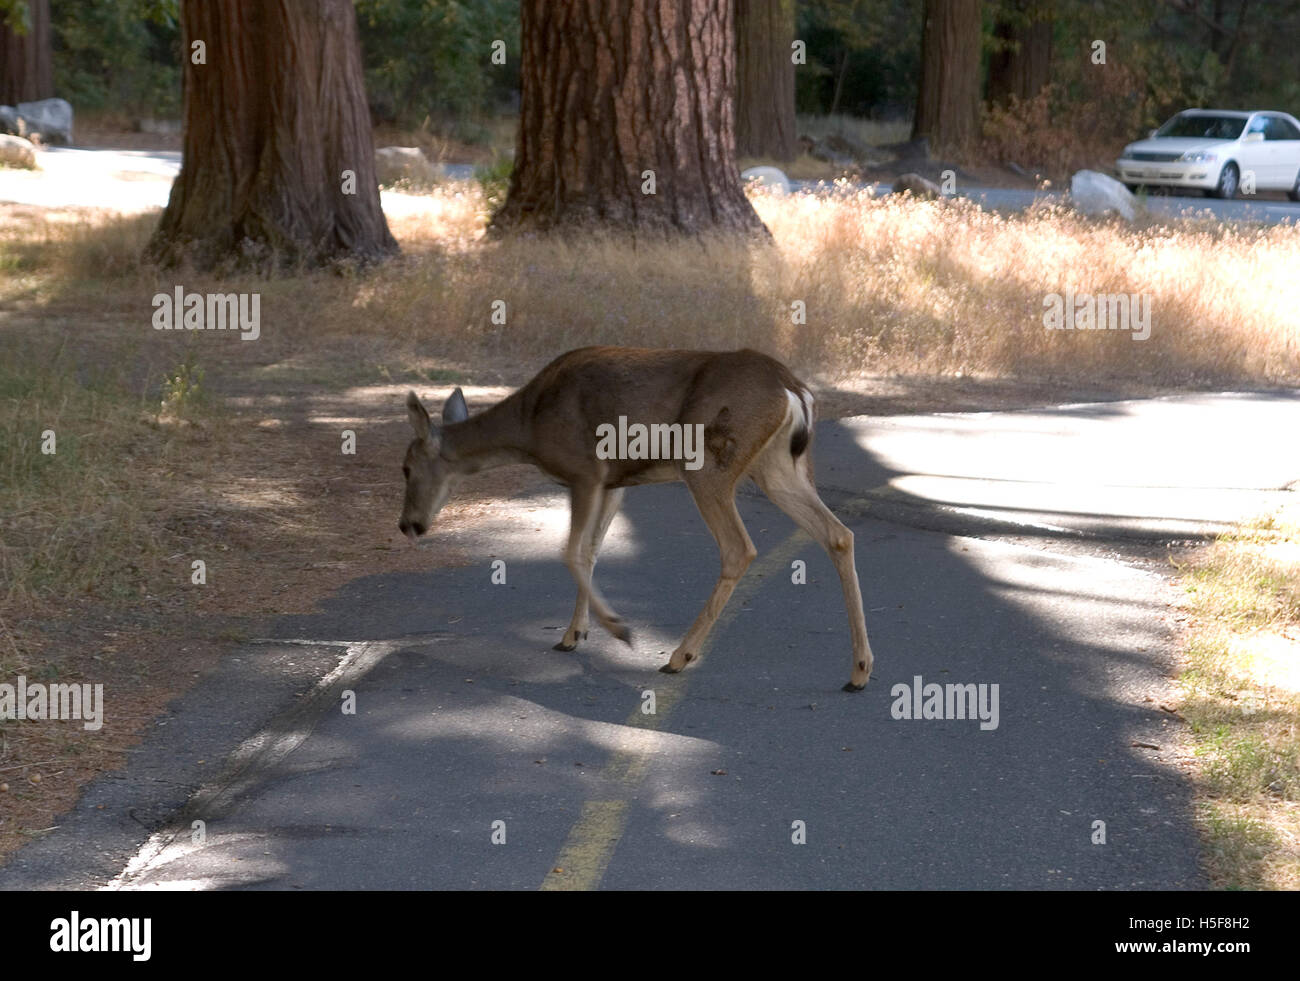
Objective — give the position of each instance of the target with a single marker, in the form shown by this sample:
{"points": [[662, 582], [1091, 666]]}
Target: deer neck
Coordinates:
{"points": [[490, 439]]}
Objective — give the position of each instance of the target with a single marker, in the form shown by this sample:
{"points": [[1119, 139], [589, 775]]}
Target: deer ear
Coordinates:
{"points": [[455, 409], [419, 417]]}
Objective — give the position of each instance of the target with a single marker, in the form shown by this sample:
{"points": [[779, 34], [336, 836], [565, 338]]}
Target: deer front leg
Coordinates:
{"points": [[592, 509], [717, 504]]}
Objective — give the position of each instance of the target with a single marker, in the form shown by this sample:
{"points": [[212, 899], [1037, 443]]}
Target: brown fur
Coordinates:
{"points": [[740, 399]]}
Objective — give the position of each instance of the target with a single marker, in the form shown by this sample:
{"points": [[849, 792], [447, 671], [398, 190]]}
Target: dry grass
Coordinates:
{"points": [[889, 285], [1242, 699]]}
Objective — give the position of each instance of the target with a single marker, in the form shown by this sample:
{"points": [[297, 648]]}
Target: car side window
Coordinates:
{"points": [[1281, 129], [1258, 125]]}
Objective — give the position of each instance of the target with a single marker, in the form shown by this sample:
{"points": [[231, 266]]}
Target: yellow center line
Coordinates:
{"points": [[587, 851]]}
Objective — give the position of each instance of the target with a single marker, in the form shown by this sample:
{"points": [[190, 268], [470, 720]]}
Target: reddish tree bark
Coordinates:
{"points": [[1022, 64], [273, 121], [948, 102], [765, 79], [25, 74], [612, 89]]}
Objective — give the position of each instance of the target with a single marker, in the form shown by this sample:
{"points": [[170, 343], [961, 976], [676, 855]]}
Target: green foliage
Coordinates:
{"points": [[1175, 54], [868, 49], [183, 393], [1179, 59], [16, 15], [430, 60], [118, 55], [495, 179]]}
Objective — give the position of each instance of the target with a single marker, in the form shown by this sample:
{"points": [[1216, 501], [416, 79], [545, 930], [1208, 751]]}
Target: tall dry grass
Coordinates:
{"points": [[886, 285], [889, 285]]}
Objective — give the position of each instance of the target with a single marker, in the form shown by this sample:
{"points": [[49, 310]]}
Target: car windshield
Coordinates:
{"points": [[1203, 127]]}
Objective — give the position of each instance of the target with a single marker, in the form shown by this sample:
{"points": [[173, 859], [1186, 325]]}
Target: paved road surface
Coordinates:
{"points": [[137, 180], [1017, 549]]}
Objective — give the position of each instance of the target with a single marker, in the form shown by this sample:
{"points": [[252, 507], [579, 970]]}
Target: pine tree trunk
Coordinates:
{"points": [[947, 109], [612, 89], [765, 79], [1023, 63], [273, 121], [25, 58]]}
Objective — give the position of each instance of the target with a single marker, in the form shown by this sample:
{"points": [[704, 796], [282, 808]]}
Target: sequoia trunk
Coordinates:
{"points": [[626, 119], [278, 166]]}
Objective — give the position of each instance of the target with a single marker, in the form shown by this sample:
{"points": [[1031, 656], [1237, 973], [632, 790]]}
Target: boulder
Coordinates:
{"points": [[917, 185], [395, 163], [17, 152], [50, 119], [1094, 193], [769, 177]]}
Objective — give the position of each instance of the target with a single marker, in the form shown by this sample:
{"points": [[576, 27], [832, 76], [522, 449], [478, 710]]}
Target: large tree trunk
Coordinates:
{"points": [[947, 106], [1022, 64], [612, 89], [273, 121], [25, 58], [765, 79]]}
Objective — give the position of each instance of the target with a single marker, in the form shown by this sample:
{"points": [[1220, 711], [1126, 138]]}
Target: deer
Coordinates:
{"points": [[754, 419]]}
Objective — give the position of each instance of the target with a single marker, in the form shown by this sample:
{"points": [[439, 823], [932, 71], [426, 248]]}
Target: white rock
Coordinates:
{"points": [[770, 177], [1097, 194], [51, 118], [17, 152]]}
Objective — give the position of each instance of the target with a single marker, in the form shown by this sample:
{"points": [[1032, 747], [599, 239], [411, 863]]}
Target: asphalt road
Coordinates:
{"points": [[1023, 549], [1192, 204], [137, 180], [1189, 205]]}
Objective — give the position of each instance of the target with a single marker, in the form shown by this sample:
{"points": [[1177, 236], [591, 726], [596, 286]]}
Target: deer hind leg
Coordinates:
{"points": [[591, 511], [789, 485], [715, 496]]}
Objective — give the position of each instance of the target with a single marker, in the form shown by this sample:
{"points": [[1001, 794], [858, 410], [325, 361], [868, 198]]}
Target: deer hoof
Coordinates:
{"points": [[669, 669], [850, 686], [562, 646], [624, 633]]}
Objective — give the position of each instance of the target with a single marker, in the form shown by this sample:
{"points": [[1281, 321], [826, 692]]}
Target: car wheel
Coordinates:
{"points": [[1228, 182], [1294, 193]]}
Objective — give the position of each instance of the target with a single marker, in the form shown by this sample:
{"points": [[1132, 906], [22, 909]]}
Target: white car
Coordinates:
{"points": [[1213, 149]]}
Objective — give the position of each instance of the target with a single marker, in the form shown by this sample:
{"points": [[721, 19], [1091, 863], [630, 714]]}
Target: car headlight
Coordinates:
{"points": [[1199, 156]]}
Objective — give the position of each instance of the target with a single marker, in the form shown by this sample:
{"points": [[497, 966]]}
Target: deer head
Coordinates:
{"points": [[429, 477]]}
